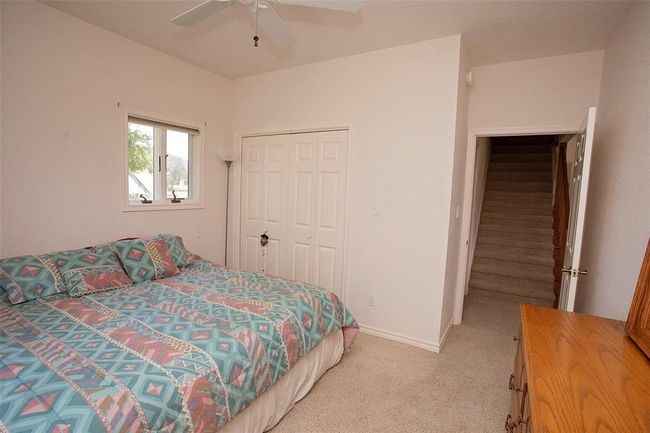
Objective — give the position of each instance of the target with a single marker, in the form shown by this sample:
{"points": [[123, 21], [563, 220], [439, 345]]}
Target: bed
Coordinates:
{"points": [[208, 349]]}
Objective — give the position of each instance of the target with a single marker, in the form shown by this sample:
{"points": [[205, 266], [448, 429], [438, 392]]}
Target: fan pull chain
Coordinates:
{"points": [[256, 38]]}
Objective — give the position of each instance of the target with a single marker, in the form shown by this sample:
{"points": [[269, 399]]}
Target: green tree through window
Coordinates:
{"points": [[140, 151]]}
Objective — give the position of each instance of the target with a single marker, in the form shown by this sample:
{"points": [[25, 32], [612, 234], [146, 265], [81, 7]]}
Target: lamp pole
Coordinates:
{"points": [[228, 156], [225, 253]]}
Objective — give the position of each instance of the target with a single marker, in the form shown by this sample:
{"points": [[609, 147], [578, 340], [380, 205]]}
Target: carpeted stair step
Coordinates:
{"points": [[521, 157], [502, 296], [520, 148], [516, 208], [515, 254], [519, 198], [508, 214], [499, 185], [519, 166], [521, 176], [504, 268], [516, 231], [511, 285], [538, 242], [508, 221]]}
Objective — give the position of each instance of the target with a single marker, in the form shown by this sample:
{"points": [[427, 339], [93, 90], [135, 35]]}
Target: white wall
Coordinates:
{"points": [[1, 132], [551, 91], [617, 222], [62, 151], [454, 245], [401, 103], [481, 163]]}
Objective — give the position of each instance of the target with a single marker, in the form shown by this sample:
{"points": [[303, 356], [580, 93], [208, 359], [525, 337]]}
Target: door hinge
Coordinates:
{"points": [[575, 272]]}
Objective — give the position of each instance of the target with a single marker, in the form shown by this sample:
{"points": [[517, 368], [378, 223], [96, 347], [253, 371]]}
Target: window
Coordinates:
{"points": [[162, 165]]}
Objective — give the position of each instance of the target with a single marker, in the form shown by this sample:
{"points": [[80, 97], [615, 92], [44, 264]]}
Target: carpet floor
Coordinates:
{"points": [[384, 386]]}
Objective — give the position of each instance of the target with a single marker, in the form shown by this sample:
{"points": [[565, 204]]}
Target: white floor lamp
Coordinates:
{"points": [[228, 156]]}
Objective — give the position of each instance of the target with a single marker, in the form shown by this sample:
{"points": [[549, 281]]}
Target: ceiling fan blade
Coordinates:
{"points": [[336, 5], [272, 24], [200, 12]]}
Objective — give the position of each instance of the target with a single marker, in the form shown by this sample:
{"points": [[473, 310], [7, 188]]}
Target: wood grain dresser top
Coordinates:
{"points": [[584, 374]]}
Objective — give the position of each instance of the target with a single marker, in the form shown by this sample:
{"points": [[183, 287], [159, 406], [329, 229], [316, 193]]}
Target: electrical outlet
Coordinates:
{"points": [[371, 299]]}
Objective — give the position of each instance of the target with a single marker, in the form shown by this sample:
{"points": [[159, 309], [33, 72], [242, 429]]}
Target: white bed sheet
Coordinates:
{"points": [[268, 409]]}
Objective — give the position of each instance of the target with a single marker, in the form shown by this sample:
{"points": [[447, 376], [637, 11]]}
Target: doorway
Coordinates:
{"points": [[520, 174], [512, 227]]}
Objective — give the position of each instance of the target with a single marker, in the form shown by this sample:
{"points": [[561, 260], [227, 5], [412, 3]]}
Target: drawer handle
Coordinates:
{"points": [[511, 384], [510, 426]]}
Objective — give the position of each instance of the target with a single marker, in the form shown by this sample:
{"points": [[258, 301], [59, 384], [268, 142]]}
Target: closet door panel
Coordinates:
{"points": [[330, 202], [301, 205], [275, 203], [326, 265], [301, 262], [253, 150]]}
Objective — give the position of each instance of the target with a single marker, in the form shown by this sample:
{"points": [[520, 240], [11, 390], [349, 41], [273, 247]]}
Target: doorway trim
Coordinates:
{"points": [[234, 235], [470, 161]]}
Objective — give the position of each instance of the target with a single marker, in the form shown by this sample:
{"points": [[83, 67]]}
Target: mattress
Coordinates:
{"points": [[270, 407], [190, 353]]}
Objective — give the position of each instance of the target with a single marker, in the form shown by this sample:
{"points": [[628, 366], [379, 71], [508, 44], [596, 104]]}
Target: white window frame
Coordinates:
{"points": [[196, 172]]}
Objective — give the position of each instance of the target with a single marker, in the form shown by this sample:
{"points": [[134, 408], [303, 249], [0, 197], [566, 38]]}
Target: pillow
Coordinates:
{"points": [[30, 277], [146, 259], [85, 272], [181, 256], [4, 298], [103, 248]]}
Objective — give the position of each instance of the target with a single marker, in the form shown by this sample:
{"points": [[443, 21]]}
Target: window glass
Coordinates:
{"points": [[141, 161], [178, 168]]}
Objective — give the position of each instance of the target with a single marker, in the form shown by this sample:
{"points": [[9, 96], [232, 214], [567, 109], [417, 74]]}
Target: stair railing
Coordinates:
{"points": [[561, 206]]}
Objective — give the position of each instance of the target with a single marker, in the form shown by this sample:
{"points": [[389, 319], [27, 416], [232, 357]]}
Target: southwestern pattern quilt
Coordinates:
{"points": [[179, 354]]}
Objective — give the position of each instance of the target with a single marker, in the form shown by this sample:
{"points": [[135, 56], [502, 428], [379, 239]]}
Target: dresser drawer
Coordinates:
{"points": [[517, 419]]}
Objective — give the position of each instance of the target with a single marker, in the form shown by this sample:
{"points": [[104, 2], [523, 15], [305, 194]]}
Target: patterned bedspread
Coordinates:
{"points": [[180, 354]]}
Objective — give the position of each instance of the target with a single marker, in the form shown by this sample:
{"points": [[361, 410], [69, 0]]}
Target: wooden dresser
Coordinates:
{"points": [[575, 373]]}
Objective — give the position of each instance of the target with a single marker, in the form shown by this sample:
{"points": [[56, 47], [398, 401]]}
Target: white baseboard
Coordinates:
{"points": [[422, 344], [444, 334]]}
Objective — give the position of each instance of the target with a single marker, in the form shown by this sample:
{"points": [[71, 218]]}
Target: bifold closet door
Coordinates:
{"points": [[264, 204], [317, 188], [294, 187]]}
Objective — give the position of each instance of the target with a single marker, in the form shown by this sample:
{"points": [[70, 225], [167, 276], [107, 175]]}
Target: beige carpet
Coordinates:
{"points": [[384, 386]]}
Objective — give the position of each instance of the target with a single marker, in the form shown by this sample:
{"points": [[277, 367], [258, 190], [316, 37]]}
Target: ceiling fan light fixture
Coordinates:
{"points": [[263, 12]]}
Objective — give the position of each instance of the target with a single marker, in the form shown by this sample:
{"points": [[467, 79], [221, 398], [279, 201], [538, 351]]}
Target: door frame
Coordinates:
{"points": [[234, 229], [470, 161]]}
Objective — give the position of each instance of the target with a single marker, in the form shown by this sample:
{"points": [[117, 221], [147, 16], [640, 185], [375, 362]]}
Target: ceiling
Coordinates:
{"points": [[494, 31]]}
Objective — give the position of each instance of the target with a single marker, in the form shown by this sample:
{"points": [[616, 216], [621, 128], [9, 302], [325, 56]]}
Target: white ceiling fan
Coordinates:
{"points": [[264, 15]]}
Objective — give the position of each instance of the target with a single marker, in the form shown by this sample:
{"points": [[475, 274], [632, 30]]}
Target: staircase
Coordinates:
{"points": [[514, 247]]}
